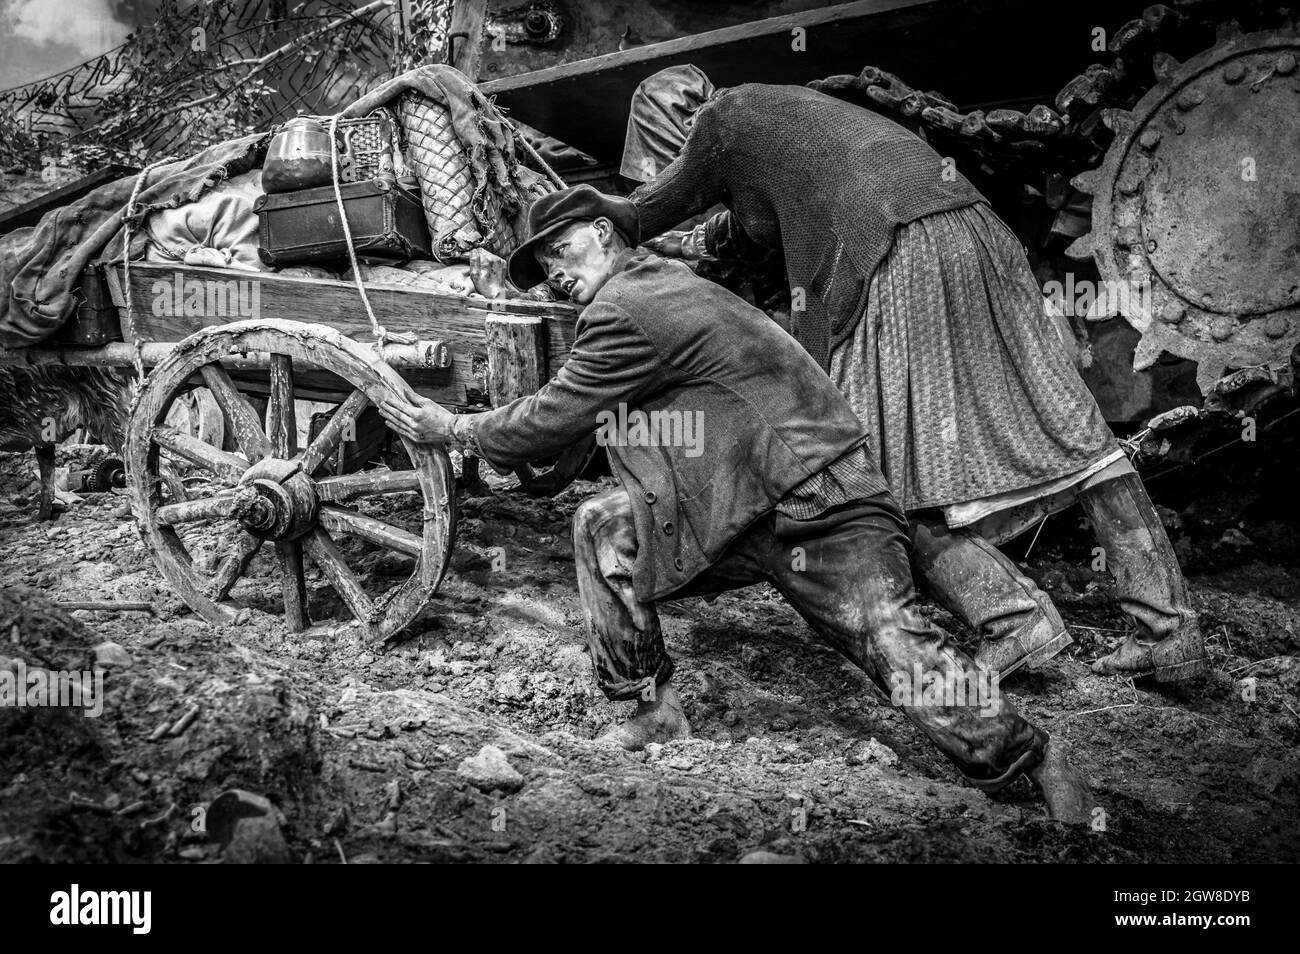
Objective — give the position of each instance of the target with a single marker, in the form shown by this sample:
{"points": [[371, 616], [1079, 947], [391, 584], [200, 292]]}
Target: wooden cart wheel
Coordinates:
{"points": [[267, 493], [197, 413]]}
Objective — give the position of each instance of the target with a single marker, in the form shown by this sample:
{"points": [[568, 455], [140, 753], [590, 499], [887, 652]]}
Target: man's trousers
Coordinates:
{"points": [[847, 574]]}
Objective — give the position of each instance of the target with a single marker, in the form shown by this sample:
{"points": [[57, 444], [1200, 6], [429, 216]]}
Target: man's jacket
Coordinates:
{"points": [[746, 412], [825, 181]]}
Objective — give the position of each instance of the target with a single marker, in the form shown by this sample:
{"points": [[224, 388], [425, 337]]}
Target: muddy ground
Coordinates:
{"points": [[362, 752]]}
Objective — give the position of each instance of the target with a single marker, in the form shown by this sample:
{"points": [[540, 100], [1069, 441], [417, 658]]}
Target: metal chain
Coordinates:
{"points": [[1063, 130]]}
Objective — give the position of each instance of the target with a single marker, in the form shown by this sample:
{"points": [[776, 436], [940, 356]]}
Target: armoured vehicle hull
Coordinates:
{"points": [[1144, 155]]}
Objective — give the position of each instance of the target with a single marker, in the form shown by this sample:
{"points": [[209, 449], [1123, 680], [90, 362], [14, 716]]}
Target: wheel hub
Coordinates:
{"points": [[1198, 205], [284, 505], [1224, 212]]}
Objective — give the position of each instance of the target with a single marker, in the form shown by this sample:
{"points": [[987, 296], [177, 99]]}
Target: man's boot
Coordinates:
{"points": [[1017, 623], [1149, 584]]}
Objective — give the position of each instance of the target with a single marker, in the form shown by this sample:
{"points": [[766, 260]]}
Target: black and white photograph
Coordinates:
{"points": [[677, 431]]}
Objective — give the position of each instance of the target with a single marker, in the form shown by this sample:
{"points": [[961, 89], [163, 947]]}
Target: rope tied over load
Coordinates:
{"points": [[382, 334], [137, 343]]}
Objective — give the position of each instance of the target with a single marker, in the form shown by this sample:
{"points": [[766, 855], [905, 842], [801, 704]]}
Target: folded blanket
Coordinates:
{"points": [[219, 230]]}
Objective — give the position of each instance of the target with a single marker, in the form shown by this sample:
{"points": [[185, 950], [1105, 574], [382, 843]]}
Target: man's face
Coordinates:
{"points": [[580, 259]]}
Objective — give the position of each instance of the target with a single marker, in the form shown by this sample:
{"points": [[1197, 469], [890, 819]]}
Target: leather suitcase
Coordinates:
{"points": [[300, 228]]}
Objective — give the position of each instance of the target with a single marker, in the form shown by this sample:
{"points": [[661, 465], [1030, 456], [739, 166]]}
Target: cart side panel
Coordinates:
{"points": [[170, 303]]}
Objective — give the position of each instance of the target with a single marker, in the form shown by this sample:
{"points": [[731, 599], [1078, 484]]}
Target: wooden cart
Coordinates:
{"points": [[259, 341]]}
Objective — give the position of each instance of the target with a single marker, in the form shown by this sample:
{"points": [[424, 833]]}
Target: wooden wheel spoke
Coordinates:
{"points": [[219, 506], [243, 419], [167, 477], [350, 486], [281, 420], [327, 441], [339, 520], [320, 547], [234, 565], [228, 466], [293, 584]]}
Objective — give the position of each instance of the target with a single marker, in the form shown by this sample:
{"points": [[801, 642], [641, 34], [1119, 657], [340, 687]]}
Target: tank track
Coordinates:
{"points": [[1089, 154]]}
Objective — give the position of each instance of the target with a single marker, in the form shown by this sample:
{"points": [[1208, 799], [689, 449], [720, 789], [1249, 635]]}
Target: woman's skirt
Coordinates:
{"points": [[961, 377]]}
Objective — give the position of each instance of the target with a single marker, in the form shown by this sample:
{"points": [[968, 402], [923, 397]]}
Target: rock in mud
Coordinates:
{"points": [[872, 752], [247, 826], [490, 770], [512, 686], [112, 656]]}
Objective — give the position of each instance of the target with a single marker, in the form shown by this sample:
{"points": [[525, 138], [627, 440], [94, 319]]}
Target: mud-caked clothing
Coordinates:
{"points": [[846, 573], [778, 461], [922, 306], [663, 349]]}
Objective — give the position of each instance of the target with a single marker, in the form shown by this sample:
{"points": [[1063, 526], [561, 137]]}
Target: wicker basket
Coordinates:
{"points": [[369, 147], [447, 182]]}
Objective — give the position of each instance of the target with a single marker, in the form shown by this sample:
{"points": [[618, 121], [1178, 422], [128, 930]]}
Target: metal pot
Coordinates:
{"points": [[298, 157]]}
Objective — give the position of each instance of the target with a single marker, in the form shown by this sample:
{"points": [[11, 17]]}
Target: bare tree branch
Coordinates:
{"points": [[262, 62]]}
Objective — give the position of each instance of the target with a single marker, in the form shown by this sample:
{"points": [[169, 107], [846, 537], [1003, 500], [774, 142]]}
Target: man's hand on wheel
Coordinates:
{"points": [[419, 419]]}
